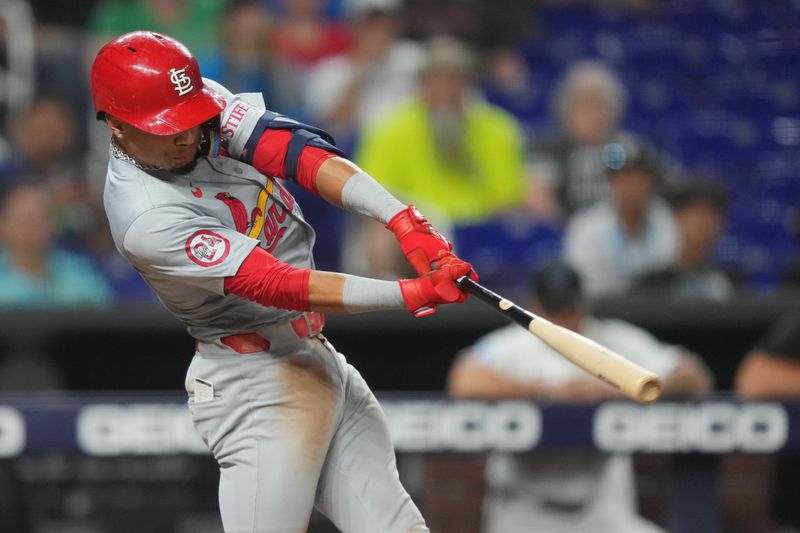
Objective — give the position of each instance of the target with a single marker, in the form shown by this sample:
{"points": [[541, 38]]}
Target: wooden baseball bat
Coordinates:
{"points": [[631, 379]]}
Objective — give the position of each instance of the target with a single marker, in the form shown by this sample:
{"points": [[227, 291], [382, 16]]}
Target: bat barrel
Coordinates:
{"points": [[631, 379]]}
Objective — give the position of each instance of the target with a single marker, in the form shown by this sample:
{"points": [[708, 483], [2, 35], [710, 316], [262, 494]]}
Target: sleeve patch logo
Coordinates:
{"points": [[207, 248]]}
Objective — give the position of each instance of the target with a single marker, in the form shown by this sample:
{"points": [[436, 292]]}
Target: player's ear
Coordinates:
{"points": [[116, 125]]}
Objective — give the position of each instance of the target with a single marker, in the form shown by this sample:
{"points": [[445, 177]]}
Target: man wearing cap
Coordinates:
{"points": [[771, 370], [618, 240], [195, 204], [564, 491], [444, 148]]}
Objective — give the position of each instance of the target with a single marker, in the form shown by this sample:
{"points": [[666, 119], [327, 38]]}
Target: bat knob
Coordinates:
{"points": [[650, 391]]}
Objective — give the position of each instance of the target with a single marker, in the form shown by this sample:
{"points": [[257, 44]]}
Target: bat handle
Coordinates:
{"points": [[473, 287], [465, 282], [500, 304]]}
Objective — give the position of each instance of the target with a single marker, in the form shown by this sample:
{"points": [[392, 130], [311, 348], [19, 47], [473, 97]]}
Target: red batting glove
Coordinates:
{"points": [[420, 243], [422, 295]]}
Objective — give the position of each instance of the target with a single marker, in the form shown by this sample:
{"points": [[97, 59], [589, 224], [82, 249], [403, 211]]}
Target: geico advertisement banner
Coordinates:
{"points": [[137, 430], [712, 427], [110, 428], [708, 427]]}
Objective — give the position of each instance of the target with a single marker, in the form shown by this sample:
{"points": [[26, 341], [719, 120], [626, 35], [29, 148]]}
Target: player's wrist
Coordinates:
{"points": [[401, 224], [364, 294]]}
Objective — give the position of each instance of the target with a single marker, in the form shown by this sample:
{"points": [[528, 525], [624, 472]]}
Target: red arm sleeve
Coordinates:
{"points": [[263, 279], [270, 155]]}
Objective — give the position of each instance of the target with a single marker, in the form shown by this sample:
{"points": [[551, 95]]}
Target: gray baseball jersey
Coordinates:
{"points": [[186, 232], [292, 425]]}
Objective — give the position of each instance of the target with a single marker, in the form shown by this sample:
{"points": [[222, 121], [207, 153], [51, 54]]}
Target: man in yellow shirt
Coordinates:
{"points": [[446, 150], [447, 147]]}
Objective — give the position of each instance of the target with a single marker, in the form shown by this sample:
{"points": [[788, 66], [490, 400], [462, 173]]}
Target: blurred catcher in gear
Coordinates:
{"points": [[194, 200]]}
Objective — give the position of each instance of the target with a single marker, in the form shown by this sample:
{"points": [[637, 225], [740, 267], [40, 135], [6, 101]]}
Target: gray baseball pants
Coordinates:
{"points": [[294, 427]]}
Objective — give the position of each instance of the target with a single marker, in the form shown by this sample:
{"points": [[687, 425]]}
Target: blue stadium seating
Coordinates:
{"points": [[714, 83]]}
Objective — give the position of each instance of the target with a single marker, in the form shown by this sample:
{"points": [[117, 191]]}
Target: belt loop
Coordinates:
{"points": [[309, 328]]}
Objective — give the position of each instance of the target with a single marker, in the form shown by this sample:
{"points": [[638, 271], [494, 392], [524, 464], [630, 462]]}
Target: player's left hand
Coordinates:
{"points": [[423, 294], [420, 243]]}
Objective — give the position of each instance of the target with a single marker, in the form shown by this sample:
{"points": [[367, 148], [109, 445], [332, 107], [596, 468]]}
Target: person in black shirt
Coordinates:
{"points": [[700, 208], [772, 370]]}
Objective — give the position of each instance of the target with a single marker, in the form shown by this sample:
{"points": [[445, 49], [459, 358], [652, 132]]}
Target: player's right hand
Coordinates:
{"points": [[421, 295]]}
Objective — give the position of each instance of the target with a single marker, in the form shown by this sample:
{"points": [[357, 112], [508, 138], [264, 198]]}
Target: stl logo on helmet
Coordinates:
{"points": [[182, 82], [207, 248]]}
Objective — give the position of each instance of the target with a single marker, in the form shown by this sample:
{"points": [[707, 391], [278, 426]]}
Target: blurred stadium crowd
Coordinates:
{"points": [[654, 144]]}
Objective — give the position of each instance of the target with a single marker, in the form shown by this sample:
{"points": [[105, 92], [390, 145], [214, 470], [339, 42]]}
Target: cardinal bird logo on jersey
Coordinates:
{"points": [[269, 220], [238, 210], [250, 226], [207, 248]]}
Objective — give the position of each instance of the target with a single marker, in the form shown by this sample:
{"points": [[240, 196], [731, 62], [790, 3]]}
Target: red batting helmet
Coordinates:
{"points": [[152, 82]]}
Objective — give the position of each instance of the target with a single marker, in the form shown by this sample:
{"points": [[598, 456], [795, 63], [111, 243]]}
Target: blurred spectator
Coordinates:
{"points": [[302, 38], [347, 91], [59, 60], [564, 491], [790, 277], [8, 165], [33, 273], [567, 170], [243, 61], [772, 370], [193, 22], [305, 36], [509, 83], [46, 149], [14, 506], [616, 241], [455, 156], [45, 141], [701, 214], [445, 17], [447, 147]]}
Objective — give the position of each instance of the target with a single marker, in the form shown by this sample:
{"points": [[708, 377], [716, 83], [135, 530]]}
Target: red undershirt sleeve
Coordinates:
{"points": [[264, 279], [270, 155]]}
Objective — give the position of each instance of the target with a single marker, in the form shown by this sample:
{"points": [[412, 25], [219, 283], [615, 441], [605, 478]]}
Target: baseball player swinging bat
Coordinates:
{"points": [[631, 379]]}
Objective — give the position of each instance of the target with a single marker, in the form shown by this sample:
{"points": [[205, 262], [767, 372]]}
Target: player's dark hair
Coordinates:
{"points": [[702, 191], [556, 286], [10, 185]]}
